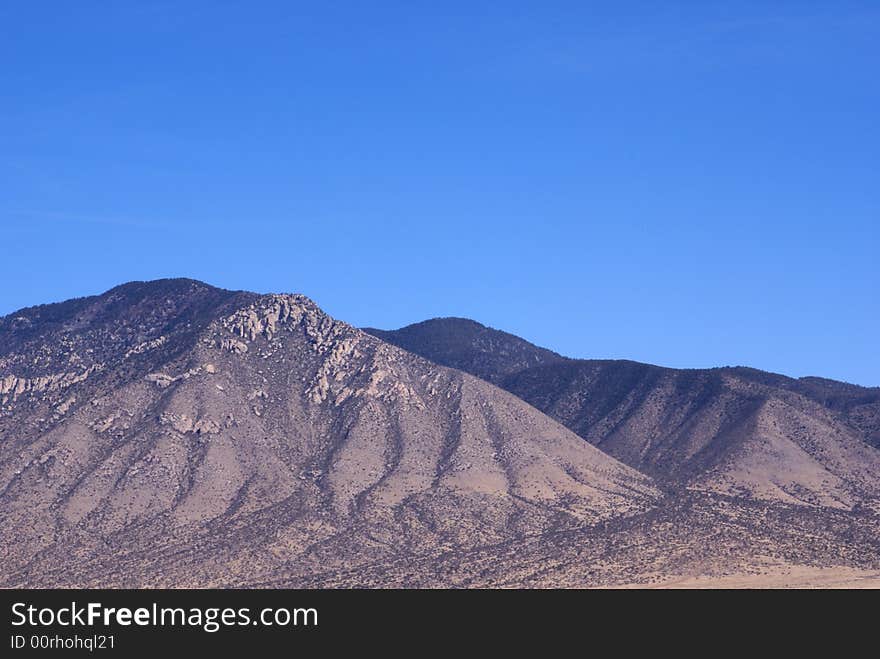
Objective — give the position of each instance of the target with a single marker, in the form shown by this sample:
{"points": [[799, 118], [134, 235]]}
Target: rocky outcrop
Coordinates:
{"points": [[13, 386], [185, 424], [163, 380], [341, 349]]}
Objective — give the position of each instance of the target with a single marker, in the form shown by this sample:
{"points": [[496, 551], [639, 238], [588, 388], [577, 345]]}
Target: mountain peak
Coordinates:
{"points": [[171, 416], [166, 283], [467, 345]]}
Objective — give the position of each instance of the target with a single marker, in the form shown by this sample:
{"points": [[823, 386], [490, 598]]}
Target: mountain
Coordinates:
{"points": [[172, 433], [736, 431], [468, 346], [169, 433]]}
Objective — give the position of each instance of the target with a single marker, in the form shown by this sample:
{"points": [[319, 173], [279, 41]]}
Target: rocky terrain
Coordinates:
{"points": [[256, 430], [169, 433]]}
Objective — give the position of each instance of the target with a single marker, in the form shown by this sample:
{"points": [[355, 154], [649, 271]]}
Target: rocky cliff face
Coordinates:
{"points": [[231, 430]]}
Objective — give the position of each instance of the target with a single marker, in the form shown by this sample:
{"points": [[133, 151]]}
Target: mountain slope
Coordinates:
{"points": [[185, 432], [731, 430], [173, 434], [468, 346]]}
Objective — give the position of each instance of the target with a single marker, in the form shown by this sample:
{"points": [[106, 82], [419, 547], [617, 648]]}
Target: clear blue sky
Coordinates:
{"points": [[685, 183]]}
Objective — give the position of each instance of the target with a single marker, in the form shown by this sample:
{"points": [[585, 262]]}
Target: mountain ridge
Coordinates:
{"points": [[480, 328], [680, 425], [170, 433]]}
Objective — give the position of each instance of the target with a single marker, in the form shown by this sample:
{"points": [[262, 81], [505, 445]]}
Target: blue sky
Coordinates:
{"points": [[685, 183]]}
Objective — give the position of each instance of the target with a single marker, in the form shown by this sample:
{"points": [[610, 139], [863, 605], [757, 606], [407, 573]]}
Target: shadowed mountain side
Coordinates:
{"points": [[460, 343], [175, 415], [734, 430]]}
